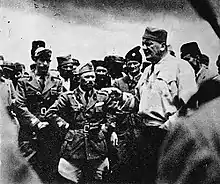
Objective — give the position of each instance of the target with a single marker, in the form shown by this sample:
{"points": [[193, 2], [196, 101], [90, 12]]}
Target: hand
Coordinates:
{"points": [[41, 125], [104, 128], [63, 124], [114, 139], [112, 90]]}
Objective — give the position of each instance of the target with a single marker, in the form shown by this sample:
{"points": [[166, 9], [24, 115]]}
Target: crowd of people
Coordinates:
{"points": [[106, 120]]}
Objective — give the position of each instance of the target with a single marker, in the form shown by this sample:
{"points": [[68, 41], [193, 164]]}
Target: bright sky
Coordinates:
{"points": [[90, 34]]}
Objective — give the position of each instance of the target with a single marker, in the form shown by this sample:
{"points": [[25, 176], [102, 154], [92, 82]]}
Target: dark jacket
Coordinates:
{"points": [[191, 153], [72, 108]]}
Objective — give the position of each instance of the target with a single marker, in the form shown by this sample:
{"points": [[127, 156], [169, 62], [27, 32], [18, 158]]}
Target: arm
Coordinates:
{"points": [[52, 113], [27, 118], [186, 81], [186, 87]]}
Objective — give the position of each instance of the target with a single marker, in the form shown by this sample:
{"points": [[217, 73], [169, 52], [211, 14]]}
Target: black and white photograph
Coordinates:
{"points": [[110, 92]]}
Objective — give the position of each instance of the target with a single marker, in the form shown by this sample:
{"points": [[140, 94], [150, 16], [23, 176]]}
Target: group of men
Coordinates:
{"points": [[105, 118]]}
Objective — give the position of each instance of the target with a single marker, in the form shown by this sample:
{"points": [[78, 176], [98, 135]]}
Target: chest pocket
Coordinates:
{"points": [[166, 84], [54, 91]]}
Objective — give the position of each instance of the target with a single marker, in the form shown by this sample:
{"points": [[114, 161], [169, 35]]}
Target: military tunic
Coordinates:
{"points": [[72, 108], [31, 104], [125, 167]]}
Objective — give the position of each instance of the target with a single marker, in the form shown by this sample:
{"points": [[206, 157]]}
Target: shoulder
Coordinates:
{"points": [[26, 78], [101, 94]]}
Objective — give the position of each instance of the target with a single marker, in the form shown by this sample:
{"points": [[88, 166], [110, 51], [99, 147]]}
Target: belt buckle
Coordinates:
{"points": [[86, 128], [43, 110]]}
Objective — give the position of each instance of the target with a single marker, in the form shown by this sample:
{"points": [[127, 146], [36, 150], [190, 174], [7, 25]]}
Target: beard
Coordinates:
{"points": [[66, 74], [87, 86]]}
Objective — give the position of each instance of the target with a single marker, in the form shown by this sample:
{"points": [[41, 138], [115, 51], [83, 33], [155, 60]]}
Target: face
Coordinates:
{"points": [[87, 80], [133, 67], [101, 70], [152, 50], [67, 70], [194, 62], [42, 65]]}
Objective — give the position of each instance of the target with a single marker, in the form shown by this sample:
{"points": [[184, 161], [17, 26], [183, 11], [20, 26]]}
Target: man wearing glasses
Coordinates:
{"points": [[35, 95]]}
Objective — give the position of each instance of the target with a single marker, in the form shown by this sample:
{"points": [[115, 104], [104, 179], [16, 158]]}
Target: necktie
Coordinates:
{"points": [[42, 81]]}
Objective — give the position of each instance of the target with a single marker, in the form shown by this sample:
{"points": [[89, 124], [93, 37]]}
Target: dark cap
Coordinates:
{"points": [[88, 67], [114, 59], [36, 44], [97, 63], [19, 66], [155, 34], [134, 55], [43, 52], [62, 60], [191, 48]]}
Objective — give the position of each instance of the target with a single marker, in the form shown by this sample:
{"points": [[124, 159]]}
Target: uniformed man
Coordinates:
{"points": [[127, 123], [102, 76], [163, 88], [133, 61], [35, 95], [191, 53], [19, 70], [115, 65], [67, 67], [87, 114]]}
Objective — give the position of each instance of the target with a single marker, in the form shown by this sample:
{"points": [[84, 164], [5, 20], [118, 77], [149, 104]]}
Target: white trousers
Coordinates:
{"points": [[72, 171]]}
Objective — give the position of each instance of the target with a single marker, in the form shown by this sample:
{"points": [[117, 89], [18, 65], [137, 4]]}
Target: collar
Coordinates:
{"points": [[135, 78], [91, 92]]}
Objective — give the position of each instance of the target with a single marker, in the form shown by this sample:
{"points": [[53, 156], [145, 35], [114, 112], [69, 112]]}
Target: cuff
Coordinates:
{"points": [[34, 121]]}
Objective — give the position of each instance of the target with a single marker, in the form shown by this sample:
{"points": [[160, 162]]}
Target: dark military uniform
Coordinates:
{"points": [[127, 84], [32, 103], [84, 141], [125, 167]]}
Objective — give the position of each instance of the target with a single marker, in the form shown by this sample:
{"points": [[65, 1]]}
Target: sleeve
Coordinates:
{"points": [[25, 116], [186, 81], [52, 113]]}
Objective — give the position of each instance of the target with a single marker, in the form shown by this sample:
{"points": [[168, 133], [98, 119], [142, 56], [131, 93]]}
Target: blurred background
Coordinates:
{"points": [[91, 29]]}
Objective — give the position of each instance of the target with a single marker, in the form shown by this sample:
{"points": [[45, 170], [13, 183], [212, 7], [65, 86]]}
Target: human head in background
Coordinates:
{"points": [[133, 61], [115, 65], [190, 52], [42, 60], [67, 66]]}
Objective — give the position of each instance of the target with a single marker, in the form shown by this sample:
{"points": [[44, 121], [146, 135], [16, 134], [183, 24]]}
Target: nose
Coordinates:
{"points": [[132, 65]]}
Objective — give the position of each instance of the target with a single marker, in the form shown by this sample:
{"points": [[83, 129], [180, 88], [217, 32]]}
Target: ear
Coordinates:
{"points": [[163, 46]]}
